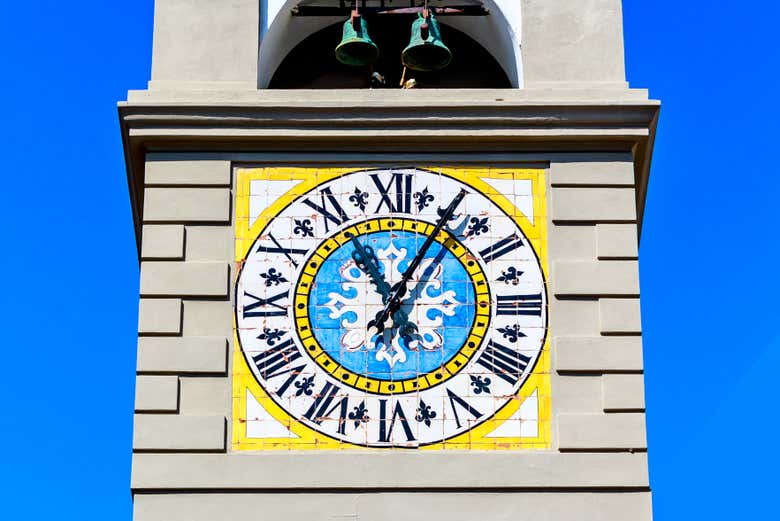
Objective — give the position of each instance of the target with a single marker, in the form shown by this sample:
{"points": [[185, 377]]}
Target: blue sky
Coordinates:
{"points": [[708, 255]]}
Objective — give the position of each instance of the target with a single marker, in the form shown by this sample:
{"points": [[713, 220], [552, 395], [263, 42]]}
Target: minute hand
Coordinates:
{"points": [[400, 289]]}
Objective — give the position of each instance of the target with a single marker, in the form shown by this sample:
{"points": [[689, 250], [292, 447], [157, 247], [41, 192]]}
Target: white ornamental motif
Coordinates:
{"points": [[357, 306]]}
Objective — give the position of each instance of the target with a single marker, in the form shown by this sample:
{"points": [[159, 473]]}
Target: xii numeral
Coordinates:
{"points": [[402, 192]]}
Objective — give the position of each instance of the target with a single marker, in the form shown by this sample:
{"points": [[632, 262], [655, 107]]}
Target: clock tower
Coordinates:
{"points": [[389, 262]]}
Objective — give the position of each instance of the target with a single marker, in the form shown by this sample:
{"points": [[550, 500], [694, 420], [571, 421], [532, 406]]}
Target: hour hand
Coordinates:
{"points": [[366, 260]]}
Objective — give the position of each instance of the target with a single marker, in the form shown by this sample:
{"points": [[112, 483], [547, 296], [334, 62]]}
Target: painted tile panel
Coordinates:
{"points": [[391, 308]]}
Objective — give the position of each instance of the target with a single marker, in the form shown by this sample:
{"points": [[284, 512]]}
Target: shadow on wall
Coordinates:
{"points": [[312, 64]]}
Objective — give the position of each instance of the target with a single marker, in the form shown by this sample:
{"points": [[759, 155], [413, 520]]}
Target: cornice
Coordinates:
{"points": [[432, 121]]}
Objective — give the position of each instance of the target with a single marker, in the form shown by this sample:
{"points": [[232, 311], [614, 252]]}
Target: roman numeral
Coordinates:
{"points": [[402, 191], [327, 197], [278, 248], [272, 309], [276, 361], [385, 430], [519, 304], [319, 412], [503, 362], [455, 399], [501, 248]]}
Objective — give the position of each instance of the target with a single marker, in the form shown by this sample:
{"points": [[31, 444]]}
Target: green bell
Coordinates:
{"points": [[356, 47], [426, 51]]}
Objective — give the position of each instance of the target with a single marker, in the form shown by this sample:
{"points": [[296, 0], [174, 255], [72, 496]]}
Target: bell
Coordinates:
{"points": [[356, 47], [426, 51]]}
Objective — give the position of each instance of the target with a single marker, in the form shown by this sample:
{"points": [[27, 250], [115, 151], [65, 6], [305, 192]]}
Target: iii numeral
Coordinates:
{"points": [[519, 304]]}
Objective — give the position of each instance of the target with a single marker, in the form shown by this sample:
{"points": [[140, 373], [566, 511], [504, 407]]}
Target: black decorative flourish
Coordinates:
{"points": [[303, 227], [305, 386], [511, 333], [478, 226], [270, 335], [440, 212], [359, 199], [510, 276], [480, 384], [360, 414], [423, 199], [425, 414], [273, 277]]}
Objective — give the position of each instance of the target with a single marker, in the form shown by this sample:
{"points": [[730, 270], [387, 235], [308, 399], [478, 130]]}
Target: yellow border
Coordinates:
{"points": [[475, 439]]}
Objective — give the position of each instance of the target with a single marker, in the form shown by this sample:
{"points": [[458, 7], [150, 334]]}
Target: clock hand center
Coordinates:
{"points": [[393, 304]]}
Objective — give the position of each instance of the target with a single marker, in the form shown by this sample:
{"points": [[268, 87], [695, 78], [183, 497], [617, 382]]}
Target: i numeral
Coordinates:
{"points": [[402, 191], [327, 198], [504, 362], [266, 307], [501, 248], [519, 304]]}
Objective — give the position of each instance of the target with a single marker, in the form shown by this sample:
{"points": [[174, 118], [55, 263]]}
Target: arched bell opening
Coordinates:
{"points": [[312, 64]]}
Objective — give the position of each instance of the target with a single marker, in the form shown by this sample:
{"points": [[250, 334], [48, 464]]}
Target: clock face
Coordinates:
{"points": [[397, 307]]}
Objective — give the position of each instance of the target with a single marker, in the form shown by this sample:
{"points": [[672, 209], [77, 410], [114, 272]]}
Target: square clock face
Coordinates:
{"points": [[390, 308]]}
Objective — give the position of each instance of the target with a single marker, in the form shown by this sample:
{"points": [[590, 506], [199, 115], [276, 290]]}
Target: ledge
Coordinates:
{"points": [[453, 121]]}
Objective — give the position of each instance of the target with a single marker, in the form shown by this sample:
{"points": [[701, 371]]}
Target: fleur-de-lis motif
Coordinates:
{"points": [[305, 386], [270, 335], [359, 199], [303, 227], [510, 276], [273, 277], [478, 226], [423, 199], [359, 414], [425, 414], [511, 333], [480, 384]]}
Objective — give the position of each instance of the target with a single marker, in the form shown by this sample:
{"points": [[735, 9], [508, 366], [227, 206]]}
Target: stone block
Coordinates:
{"points": [[593, 204], [433, 469], [159, 316], [608, 278], [577, 393], [617, 241], [162, 241], [203, 395], [623, 392], [618, 172], [204, 279], [166, 170], [187, 205], [579, 316], [172, 432], [601, 431], [307, 505], [197, 355], [209, 243], [207, 318], [598, 353], [156, 393], [620, 316], [576, 242]]}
